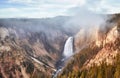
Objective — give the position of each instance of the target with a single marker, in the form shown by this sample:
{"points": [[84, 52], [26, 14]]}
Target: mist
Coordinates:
{"points": [[89, 26], [87, 21], [84, 23]]}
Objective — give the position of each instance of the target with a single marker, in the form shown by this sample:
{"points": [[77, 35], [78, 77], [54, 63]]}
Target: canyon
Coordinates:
{"points": [[50, 47]]}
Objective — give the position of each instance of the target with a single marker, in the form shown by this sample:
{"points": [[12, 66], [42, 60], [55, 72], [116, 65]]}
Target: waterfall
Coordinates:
{"points": [[67, 52], [68, 48]]}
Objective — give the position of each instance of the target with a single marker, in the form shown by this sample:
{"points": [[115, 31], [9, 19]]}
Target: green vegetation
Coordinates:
{"points": [[102, 71], [75, 68]]}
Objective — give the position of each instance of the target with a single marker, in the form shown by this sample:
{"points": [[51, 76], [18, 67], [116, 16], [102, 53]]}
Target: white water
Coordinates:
{"points": [[68, 51], [68, 48]]}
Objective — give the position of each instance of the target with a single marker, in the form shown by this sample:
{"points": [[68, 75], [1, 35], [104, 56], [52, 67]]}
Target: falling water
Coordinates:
{"points": [[68, 48], [67, 52]]}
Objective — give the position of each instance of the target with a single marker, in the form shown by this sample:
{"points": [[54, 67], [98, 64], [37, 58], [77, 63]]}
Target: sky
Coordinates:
{"points": [[52, 8]]}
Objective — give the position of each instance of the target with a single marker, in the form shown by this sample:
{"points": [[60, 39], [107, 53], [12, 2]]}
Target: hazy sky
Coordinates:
{"points": [[51, 8]]}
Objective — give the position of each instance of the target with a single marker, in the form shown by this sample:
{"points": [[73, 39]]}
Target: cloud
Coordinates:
{"points": [[98, 7], [20, 1], [68, 2], [30, 12], [50, 8], [105, 6]]}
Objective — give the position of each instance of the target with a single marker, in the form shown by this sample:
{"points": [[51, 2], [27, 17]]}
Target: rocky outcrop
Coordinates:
{"points": [[109, 50], [97, 55]]}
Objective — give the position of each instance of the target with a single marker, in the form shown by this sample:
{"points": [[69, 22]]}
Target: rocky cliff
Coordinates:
{"points": [[97, 55]]}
